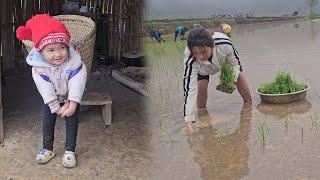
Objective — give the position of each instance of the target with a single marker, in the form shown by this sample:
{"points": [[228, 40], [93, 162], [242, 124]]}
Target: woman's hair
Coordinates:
{"points": [[199, 37]]}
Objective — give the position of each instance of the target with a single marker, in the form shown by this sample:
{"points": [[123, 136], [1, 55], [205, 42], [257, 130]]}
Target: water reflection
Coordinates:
{"points": [[222, 157], [314, 31], [284, 110]]}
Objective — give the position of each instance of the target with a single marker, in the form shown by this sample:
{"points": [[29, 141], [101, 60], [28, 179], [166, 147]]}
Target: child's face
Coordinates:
{"points": [[56, 54], [201, 52]]}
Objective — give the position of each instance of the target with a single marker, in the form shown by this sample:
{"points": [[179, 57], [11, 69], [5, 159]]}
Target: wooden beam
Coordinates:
{"points": [[134, 85]]}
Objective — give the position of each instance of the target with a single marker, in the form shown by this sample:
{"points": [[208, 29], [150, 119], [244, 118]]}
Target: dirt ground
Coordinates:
{"points": [[119, 151], [139, 74]]}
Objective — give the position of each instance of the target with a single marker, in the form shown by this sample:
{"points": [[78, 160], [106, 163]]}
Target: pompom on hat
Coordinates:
{"points": [[43, 30]]}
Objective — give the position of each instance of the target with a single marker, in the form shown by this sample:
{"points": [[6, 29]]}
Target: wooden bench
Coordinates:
{"points": [[99, 99]]}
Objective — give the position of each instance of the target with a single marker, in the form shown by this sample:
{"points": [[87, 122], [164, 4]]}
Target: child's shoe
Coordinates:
{"points": [[44, 156], [69, 159]]}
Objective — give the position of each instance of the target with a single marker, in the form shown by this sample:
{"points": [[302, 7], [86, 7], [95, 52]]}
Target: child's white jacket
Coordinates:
{"points": [[223, 51], [58, 83]]}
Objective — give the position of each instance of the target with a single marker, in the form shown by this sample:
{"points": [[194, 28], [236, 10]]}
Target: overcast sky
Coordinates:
{"points": [[200, 8]]}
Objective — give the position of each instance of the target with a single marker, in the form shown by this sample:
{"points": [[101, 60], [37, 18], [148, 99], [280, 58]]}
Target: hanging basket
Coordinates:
{"points": [[83, 35]]}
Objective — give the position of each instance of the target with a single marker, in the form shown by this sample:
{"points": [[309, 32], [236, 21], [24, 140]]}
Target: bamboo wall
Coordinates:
{"points": [[120, 27]]}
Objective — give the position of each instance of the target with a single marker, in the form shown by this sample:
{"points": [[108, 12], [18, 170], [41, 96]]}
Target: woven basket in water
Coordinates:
{"points": [[83, 35]]}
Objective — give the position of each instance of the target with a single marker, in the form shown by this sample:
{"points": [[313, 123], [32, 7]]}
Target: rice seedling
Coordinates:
{"points": [[161, 121], [237, 128], [313, 15], [301, 130], [165, 61], [181, 45], [262, 132], [314, 121], [169, 139], [286, 124], [227, 79], [283, 83], [224, 132]]}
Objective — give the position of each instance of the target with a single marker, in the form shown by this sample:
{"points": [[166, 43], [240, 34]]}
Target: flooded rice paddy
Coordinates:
{"points": [[236, 141]]}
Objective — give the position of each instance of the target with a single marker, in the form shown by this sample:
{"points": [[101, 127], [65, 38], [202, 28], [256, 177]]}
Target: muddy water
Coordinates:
{"points": [[228, 144]]}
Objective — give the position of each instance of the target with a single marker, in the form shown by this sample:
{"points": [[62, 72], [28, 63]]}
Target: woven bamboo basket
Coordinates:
{"points": [[83, 36]]}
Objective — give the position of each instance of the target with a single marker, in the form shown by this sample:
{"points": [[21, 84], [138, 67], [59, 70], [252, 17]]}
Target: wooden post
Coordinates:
{"points": [[107, 114], [92, 97]]}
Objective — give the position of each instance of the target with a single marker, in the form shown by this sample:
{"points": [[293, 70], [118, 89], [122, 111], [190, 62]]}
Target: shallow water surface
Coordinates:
{"points": [[235, 141]]}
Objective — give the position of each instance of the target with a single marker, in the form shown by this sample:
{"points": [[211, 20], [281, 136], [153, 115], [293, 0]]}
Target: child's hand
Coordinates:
{"points": [[60, 111], [70, 110], [64, 107]]}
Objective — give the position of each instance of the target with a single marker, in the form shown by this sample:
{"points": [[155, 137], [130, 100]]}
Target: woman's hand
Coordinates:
{"points": [[189, 128]]}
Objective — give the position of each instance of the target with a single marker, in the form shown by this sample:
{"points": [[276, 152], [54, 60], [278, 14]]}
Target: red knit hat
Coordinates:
{"points": [[43, 29]]}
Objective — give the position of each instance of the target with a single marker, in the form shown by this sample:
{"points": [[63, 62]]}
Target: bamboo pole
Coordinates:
{"points": [[43, 6], [115, 31], [139, 25], [17, 12], [17, 21], [29, 9], [7, 36], [36, 7], [1, 118], [110, 25], [132, 21], [120, 28]]}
